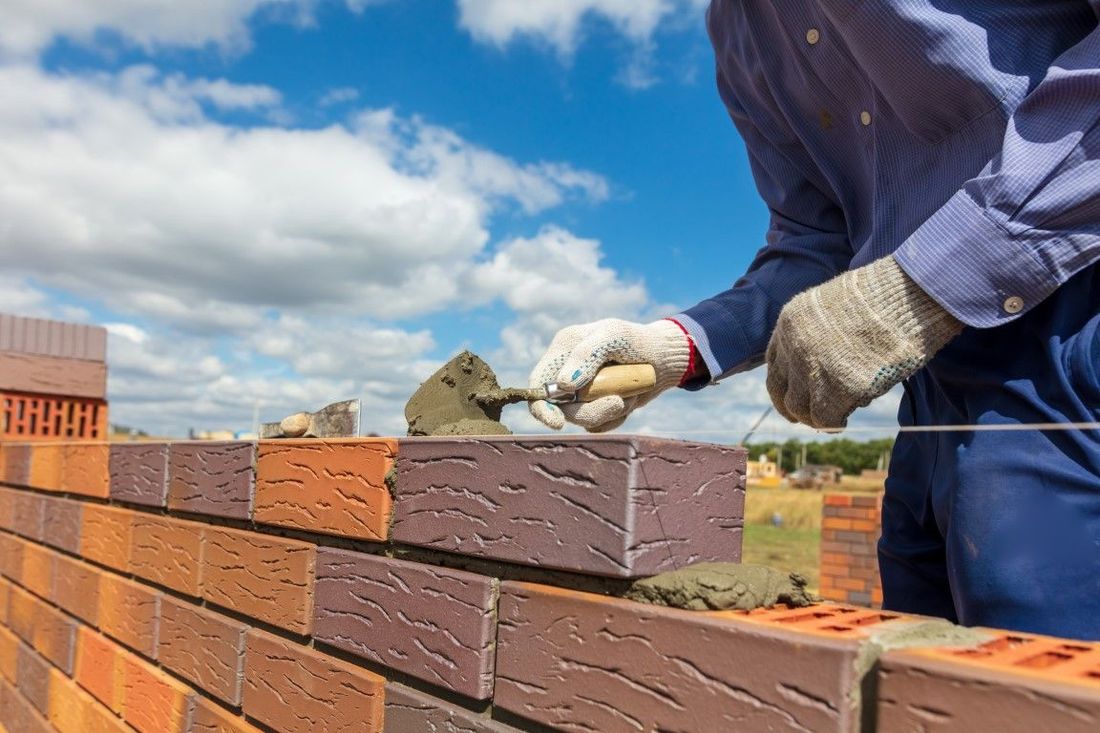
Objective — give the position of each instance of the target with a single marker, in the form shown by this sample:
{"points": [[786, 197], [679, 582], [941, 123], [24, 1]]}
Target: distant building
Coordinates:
{"points": [[813, 476], [763, 472]]}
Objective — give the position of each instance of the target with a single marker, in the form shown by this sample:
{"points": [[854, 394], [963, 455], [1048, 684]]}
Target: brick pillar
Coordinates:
{"points": [[850, 528]]}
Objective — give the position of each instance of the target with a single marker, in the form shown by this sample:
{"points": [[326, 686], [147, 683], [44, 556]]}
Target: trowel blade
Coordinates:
{"points": [[338, 420]]}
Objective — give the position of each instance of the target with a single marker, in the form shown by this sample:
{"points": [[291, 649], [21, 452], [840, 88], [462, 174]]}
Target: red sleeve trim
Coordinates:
{"points": [[689, 374]]}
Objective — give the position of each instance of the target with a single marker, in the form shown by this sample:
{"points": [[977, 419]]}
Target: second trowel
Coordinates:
{"points": [[464, 398]]}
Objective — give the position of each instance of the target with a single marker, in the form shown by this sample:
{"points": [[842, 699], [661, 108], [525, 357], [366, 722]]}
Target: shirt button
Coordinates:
{"points": [[813, 36], [865, 118], [1014, 305]]}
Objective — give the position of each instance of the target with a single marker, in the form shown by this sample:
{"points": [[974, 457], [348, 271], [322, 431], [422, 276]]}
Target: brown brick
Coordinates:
{"points": [[76, 588], [139, 473], [17, 713], [38, 570], [11, 557], [61, 523], [128, 613], [50, 375], [5, 590], [99, 668], [210, 718], [55, 637], [86, 470], [9, 650], [22, 609], [577, 660], [105, 534], [331, 486], [433, 623], [33, 676], [152, 701], [168, 552], [295, 689], [618, 506], [412, 711], [46, 466], [17, 463], [74, 711], [203, 647], [7, 507], [267, 578], [27, 515], [212, 478]]}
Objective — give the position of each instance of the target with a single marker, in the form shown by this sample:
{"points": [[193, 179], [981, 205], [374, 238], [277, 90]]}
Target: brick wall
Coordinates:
{"points": [[221, 588], [850, 527]]}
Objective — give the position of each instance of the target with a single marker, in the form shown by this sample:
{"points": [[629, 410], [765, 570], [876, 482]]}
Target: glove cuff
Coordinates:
{"points": [[672, 352], [898, 301]]}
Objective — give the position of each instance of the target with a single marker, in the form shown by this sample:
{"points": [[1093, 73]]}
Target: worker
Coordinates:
{"points": [[932, 172]]}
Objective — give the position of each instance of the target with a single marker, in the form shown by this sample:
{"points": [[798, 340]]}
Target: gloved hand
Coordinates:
{"points": [[578, 352], [840, 345]]}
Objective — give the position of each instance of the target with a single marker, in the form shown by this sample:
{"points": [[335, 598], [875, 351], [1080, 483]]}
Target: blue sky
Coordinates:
{"points": [[287, 202]]}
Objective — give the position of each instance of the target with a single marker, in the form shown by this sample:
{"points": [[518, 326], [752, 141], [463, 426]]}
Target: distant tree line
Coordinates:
{"points": [[852, 456]]}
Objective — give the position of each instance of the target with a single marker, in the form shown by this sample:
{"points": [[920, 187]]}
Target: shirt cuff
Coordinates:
{"points": [[720, 341], [973, 267]]}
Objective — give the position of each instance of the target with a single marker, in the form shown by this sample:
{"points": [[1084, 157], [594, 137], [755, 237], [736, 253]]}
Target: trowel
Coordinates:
{"points": [[464, 398], [338, 420]]}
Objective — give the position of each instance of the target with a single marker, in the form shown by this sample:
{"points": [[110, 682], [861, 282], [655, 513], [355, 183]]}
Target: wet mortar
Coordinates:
{"points": [[461, 398], [722, 586]]}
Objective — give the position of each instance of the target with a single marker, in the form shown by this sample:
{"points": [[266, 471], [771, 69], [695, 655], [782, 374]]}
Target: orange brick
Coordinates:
{"points": [[837, 500], [46, 466], [85, 469], [55, 636], [212, 718], [22, 607], [836, 571], [9, 648], [864, 525], [38, 570], [5, 589], [876, 595], [330, 486], [152, 701], [98, 668], [74, 711], [835, 558], [836, 523], [167, 551], [11, 556], [851, 584], [76, 588], [105, 534], [128, 613], [7, 507]]}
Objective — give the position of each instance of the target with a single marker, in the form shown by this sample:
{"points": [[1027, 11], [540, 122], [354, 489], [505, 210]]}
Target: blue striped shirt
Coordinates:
{"points": [[963, 136]]}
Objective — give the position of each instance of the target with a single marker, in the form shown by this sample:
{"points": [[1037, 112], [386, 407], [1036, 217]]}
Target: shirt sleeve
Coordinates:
{"points": [[1031, 219], [807, 244]]}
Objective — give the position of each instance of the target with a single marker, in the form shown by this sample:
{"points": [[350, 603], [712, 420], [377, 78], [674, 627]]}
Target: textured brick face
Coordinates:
{"points": [[45, 466], [267, 578], [212, 478], [411, 711], [74, 711], [7, 507], [433, 623], [105, 536], [11, 556], [209, 718], [98, 668], [128, 612], [153, 702], [27, 515], [85, 469], [296, 690], [17, 464], [33, 673], [335, 487], [203, 647], [76, 588], [573, 660], [38, 570], [623, 507], [167, 551], [18, 714], [55, 637], [22, 614], [139, 473], [61, 524], [9, 651]]}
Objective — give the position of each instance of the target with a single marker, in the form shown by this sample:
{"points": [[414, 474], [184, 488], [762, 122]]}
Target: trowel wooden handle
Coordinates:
{"points": [[625, 380]]}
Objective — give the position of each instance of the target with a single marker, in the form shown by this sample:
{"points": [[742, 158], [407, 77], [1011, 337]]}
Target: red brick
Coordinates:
{"points": [[105, 534], [836, 523], [837, 500], [331, 486], [576, 660], [99, 668], [168, 552], [74, 711], [76, 588], [38, 570], [210, 718], [267, 578], [295, 689], [46, 466], [865, 525], [85, 470], [212, 478], [433, 623], [128, 612], [203, 647], [152, 701]]}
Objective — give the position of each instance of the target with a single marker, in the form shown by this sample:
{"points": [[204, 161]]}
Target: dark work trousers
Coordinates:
{"points": [[1002, 529]]}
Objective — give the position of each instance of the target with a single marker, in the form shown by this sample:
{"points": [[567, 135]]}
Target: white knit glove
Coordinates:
{"points": [[578, 352], [840, 345]]}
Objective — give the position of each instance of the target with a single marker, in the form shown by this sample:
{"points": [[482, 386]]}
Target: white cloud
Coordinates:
{"points": [[339, 95]]}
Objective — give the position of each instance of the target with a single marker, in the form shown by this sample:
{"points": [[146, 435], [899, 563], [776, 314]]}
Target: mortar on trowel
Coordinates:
{"points": [[464, 398]]}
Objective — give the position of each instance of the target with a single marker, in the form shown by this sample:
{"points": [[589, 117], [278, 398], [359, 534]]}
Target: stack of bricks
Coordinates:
{"points": [[301, 586], [850, 528], [53, 380]]}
